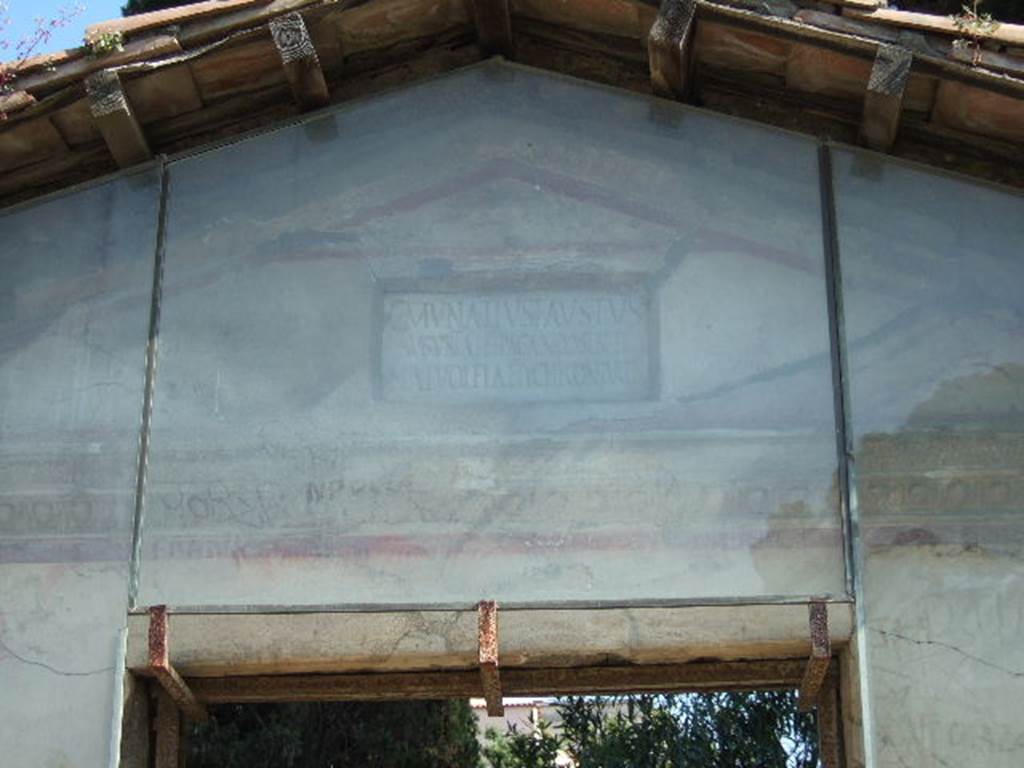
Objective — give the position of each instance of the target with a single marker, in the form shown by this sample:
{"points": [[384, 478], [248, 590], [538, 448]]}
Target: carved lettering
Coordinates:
{"points": [[516, 347]]}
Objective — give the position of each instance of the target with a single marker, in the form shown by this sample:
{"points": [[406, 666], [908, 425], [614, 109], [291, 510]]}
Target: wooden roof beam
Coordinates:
{"points": [[115, 119], [300, 62], [493, 25], [883, 100], [670, 49]]}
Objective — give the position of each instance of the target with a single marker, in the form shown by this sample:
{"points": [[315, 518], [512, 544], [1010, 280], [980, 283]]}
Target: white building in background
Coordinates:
{"points": [[525, 715]]}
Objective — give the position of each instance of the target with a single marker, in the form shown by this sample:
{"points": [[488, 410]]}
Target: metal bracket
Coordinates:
{"points": [[160, 667], [821, 655], [487, 639]]}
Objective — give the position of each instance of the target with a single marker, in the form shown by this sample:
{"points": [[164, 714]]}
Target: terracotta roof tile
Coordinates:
{"points": [[131, 25]]}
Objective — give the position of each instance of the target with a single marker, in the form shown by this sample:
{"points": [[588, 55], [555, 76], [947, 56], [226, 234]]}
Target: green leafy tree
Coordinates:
{"points": [[144, 6], [133, 7], [719, 730], [409, 734]]}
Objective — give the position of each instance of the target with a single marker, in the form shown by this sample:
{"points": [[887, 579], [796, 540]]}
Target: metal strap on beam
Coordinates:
{"points": [[493, 25], [883, 100], [300, 62], [488, 642], [115, 119], [670, 49], [821, 655], [160, 667]]}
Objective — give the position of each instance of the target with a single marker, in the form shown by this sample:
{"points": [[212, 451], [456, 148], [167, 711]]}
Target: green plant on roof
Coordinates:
{"points": [[105, 44], [974, 27]]}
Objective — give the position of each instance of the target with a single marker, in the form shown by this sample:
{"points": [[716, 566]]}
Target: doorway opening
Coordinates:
{"points": [[709, 729]]}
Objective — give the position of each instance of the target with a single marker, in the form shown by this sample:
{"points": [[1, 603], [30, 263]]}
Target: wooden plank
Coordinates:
{"points": [[611, 17], [487, 641], [14, 101], [820, 658], [388, 74], [76, 124], [168, 750], [677, 678], [846, 25], [919, 95], [327, 42], [165, 93], [161, 668], [966, 108], [250, 66], [250, 15], [1008, 34], [883, 100], [785, 29], [384, 686], [493, 25], [386, 23], [29, 142], [300, 62], [77, 69], [811, 115], [618, 51], [540, 49], [131, 25], [830, 732], [812, 69], [115, 119], [998, 62], [46, 60], [866, 5], [699, 676], [225, 118], [726, 47], [54, 173], [670, 49]]}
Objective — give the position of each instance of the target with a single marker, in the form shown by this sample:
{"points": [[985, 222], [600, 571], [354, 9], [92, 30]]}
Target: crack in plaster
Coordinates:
{"points": [[54, 670], [948, 646]]}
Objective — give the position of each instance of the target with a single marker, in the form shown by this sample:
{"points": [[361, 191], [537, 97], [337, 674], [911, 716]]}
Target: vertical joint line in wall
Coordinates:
{"points": [[150, 383], [847, 466], [834, 286]]}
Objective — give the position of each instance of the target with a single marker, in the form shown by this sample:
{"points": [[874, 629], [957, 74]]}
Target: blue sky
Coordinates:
{"points": [[21, 15]]}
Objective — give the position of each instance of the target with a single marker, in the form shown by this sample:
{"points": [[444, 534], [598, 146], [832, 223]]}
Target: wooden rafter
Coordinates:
{"points": [[670, 49], [300, 61], [830, 742], [883, 100], [115, 119], [493, 25], [168, 747]]}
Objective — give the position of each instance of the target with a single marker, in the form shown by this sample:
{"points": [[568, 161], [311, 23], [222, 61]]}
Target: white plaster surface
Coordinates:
{"points": [[75, 285], [295, 461], [932, 272]]}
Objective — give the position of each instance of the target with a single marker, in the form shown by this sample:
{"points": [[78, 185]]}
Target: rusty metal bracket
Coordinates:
{"points": [[487, 639], [160, 667], [821, 655]]}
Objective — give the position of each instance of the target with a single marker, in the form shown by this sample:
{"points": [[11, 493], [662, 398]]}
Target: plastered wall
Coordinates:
{"points": [[503, 335]]}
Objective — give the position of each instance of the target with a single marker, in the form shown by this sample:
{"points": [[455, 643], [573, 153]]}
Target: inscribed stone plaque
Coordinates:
{"points": [[516, 346]]}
